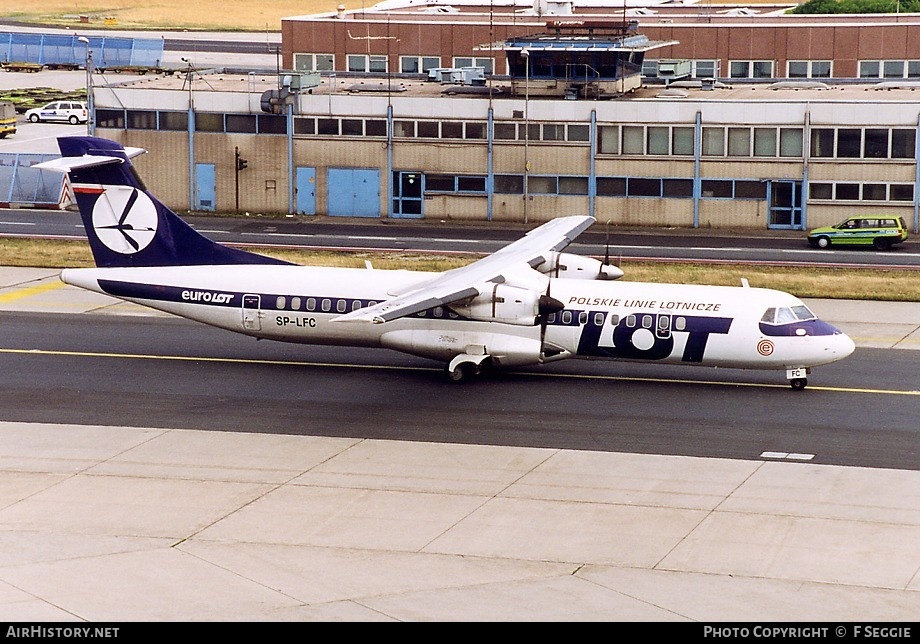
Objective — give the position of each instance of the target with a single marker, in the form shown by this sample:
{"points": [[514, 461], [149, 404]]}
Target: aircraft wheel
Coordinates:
{"points": [[462, 372], [798, 384]]}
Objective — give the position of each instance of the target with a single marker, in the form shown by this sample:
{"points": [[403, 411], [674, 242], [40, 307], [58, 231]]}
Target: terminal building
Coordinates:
{"points": [[604, 116]]}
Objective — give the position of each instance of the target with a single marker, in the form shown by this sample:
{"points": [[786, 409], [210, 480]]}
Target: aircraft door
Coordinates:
{"points": [[252, 312]]}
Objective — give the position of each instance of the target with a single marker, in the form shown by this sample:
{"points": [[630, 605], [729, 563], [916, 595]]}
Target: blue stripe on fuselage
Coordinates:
{"points": [[799, 328]]}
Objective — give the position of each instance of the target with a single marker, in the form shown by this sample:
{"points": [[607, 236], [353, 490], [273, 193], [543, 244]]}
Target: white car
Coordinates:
{"points": [[67, 111]]}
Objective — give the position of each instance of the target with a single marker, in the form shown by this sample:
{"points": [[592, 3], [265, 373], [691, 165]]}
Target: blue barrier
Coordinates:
{"points": [[60, 49], [23, 185]]}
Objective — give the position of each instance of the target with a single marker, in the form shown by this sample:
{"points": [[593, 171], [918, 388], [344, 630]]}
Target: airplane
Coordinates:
{"points": [[527, 304]]}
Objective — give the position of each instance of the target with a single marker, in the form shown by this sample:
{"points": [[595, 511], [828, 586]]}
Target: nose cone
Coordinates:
{"points": [[610, 272], [843, 346]]}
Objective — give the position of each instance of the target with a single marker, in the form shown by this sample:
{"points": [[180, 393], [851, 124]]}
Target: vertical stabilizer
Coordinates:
{"points": [[125, 224]]}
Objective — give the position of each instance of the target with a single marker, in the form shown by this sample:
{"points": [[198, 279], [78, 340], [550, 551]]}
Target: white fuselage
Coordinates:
{"points": [[666, 323]]}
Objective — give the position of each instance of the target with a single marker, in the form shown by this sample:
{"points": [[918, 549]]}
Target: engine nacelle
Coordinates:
{"points": [[504, 303], [578, 267]]}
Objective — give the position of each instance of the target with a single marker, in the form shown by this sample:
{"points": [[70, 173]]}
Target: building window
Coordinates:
{"points": [[272, 124], [849, 143], [485, 63], [314, 62], [142, 120], [706, 68], [717, 189], [821, 191], [809, 69], [608, 139], [611, 186], [241, 123], [870, 68], [573, 185], [352, 127], [790, 142], [304, 126], [474, 130], [357, 63], [578, 133], [429, 129], [751, 68], [739, 142], [657, 140], [633, 139], [505, 131], [327, 127], [209, 122], [822, 143], [375, 127], [452, 129], [903, 144], [404, 128], [876, 142], [764, 142], [714, 141], [682, 141], [846, 191], [542, 185], [177, 121], [509, 184], [682, 188]]}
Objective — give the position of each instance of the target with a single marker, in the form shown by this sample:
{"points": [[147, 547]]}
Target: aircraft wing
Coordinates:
{"points": [[478, 277]]}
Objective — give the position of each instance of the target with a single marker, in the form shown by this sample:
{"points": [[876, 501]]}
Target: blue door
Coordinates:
{"points": [[306, 191], [204, 186], [353, 192]]}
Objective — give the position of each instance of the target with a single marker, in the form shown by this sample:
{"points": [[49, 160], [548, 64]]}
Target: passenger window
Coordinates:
{"points": [[582, 317], [631, 321], [646, 321], [598, 319], [341, 305], [680, 323], [614, 320], [311, 304], [295, 303], [326, 304], [280, 302], [566, 317], [356, 305]]}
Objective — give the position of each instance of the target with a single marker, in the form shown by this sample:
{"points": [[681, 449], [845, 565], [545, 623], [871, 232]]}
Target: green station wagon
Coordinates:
{"points": [[880, 232]]}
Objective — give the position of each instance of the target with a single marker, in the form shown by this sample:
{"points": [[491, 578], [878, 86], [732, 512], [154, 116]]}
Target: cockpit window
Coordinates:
{"points": [[803, 313], [786, 315]]}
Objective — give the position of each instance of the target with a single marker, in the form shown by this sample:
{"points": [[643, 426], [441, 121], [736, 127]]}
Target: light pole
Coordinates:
{"points": [[90, 110], [526, 54]]}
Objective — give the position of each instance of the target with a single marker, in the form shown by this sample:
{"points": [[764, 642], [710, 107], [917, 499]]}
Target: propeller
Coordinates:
{"points": [[605, 271], [546, 306]]}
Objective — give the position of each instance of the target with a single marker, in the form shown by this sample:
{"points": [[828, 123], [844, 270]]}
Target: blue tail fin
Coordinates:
{"points": [[125, 224]]}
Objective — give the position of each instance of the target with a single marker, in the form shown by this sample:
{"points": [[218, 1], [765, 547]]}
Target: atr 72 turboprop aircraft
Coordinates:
{"points": [[527, 304]]}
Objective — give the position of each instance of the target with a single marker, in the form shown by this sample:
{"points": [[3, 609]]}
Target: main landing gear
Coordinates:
{"points": [[465, 367], [797, 378]]}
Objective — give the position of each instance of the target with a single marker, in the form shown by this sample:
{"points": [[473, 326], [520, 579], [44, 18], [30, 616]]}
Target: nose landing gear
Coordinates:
{"points": [[797, 378]]}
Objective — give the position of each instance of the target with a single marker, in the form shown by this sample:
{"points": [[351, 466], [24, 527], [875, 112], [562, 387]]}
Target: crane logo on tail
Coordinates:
{"points": [[125, 219]]}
